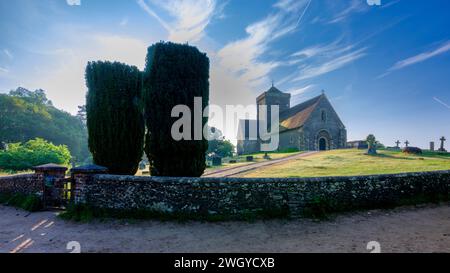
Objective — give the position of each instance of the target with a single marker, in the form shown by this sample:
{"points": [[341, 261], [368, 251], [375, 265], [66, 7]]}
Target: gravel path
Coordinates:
{"points": [[241, 169], [409, 229]]}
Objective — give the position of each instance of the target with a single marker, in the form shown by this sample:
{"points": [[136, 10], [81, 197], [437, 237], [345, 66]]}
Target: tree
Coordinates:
{"points": [[372, 143], [174, 75], [217, 143], [114, 116], [26, 115], [19, 157]]}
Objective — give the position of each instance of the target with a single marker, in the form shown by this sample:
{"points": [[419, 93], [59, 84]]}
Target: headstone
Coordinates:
{"points": [[233, 161], [216, 161], [442, 149], [249, 158], [142, 165], [432, 146], [406, 143], [398, 144], [266, 156]]}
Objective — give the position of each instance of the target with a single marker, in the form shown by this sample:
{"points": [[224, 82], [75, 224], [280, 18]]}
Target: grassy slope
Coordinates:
{"points": [[354, 162], [241, 160]]}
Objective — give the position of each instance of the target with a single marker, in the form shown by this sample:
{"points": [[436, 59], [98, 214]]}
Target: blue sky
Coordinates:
{"points": [[385, 68]]}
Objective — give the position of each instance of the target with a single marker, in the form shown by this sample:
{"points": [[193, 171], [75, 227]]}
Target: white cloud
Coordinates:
{"points": [[312, 71], [3, 70], [190, 17], [442, 103], [301, 90], [8, 54], [418, 58], [355, 6], [73, 2]]}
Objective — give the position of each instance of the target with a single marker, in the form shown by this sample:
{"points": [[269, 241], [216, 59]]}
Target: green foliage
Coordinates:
{"points": [[115, 118], [35, 152], [223, 148], [174, 75], [26, 115], [27, 202]]}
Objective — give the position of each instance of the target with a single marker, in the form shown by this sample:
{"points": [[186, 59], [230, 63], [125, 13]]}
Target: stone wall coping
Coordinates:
{"points": [[160, 179], [50, 167], [89, 169]]}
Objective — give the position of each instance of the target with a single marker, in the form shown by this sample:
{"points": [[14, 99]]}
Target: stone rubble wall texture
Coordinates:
{"points": [[22, 184], [229, 196]]}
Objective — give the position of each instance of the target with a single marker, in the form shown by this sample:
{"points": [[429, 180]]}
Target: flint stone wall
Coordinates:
{"points": [[229, 196], [23, 184]]}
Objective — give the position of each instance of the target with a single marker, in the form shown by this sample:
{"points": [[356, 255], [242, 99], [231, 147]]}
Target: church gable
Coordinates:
{"points": [[324, 114]]}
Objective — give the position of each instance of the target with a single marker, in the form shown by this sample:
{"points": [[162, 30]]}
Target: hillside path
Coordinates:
{"points": [[250, 167]]}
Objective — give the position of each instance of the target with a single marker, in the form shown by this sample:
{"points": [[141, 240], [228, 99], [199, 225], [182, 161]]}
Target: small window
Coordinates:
{"points": [[324, 116]]}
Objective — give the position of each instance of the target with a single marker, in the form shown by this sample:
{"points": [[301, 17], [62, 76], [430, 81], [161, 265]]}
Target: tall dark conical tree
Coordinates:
{"points": [[174, 75], [115, 118]]}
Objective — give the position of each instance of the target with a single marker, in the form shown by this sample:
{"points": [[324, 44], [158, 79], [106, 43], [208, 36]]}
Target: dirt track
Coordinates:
{"points": [[425, 229], [241, 169]]}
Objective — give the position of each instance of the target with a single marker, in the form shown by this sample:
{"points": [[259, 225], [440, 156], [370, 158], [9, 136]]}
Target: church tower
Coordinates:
{"points": [[273, 96]]}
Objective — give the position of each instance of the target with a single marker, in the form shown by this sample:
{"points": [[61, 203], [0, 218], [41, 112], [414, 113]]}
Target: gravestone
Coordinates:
{"points": [[432, 146], [406, 143], [142, 165], [216, 160], [398, 144], [249, 158], [266, 156], [442, 149], [232, 161]]}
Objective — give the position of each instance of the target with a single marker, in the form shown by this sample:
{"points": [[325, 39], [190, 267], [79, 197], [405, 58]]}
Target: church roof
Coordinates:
{"points": [[296, 116]]}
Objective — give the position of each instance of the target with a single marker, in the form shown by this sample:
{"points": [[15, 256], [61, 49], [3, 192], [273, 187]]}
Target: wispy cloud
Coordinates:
{"points": [[189, 17], [73, 2], [242, 57], [418, 58], [8, 54], [313, 71], [355, 6], [3, 70], [301, 90], [321, 59], [442, 103]]}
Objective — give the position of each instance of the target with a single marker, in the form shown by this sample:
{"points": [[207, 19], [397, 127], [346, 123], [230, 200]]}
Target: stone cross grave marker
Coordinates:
{"points": [[406, 143], [442, 144], [398, 144]]}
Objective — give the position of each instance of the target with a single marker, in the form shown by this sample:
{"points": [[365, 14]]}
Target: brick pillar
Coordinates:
{"points": [[81, 177], [48, 176]]}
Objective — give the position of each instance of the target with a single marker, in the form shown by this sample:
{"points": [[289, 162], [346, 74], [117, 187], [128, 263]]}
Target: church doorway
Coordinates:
{"points": [[322, 144]]}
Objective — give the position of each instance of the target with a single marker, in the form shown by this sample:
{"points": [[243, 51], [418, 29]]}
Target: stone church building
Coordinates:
{"points": [[309, 126]]}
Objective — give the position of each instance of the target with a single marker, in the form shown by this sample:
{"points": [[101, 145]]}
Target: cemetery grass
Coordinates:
{"points": [[353, 162], [241, 160]]}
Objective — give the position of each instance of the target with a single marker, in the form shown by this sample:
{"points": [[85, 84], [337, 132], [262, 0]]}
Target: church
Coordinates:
{"points": [[312, 125]]}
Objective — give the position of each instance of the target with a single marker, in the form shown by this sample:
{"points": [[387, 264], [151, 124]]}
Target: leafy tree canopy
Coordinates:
{"points": [[26, 115], [19, 157]]}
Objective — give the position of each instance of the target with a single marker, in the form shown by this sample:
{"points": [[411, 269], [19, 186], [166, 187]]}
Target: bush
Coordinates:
{"points": [[174, 75], [412, 150], [115, 118], [35, 152]]}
